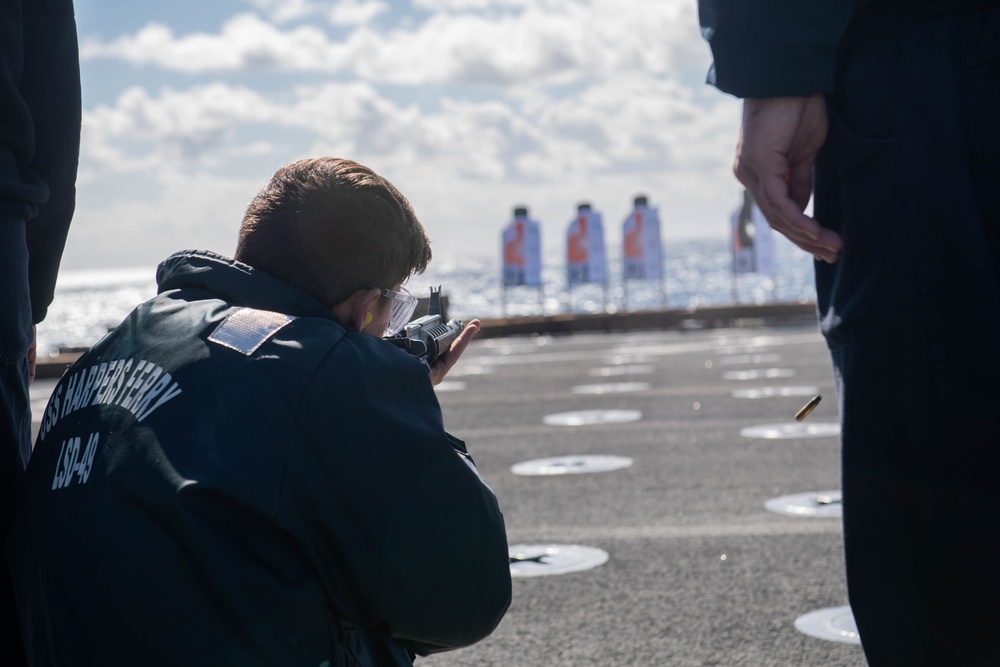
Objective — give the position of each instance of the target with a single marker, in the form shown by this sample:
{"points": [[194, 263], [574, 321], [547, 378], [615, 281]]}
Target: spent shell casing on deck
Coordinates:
{"points": [[807, 408]]}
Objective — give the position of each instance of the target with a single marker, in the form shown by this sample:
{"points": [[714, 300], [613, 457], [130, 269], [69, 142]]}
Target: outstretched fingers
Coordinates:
{"points": [[444, 363]]}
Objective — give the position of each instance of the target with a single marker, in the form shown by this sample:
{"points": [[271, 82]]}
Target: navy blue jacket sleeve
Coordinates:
{"points": [[40, 113], [21, 191], [773, 48]]}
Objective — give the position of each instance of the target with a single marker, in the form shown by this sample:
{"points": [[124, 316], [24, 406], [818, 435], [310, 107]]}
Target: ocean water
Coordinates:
{"points": [[88, 303]]}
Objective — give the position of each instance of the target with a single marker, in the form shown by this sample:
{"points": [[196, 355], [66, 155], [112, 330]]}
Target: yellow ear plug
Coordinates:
{"points": [[368, 318]]}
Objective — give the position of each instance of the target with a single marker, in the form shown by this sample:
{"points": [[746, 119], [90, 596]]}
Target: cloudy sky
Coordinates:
{"points": [[469, 106]]}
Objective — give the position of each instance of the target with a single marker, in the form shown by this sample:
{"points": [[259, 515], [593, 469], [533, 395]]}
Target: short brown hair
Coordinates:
{"points": [[331, 226]]}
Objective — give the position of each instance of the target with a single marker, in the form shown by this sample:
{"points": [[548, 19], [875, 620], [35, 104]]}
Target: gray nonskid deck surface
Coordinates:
{"points": [[698, 573]]}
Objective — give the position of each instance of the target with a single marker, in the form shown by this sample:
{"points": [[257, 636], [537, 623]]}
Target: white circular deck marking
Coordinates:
{"points": [[571, 465], [610, 388], [759, 374], [449, 385], [821, 504], [634, 369], [539, 560], [771, 392], [591, 417], [833, 623], [791, 430]]}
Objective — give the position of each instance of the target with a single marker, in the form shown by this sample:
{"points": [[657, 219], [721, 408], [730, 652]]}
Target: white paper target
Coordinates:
{"points": [[592, 417], [833, 623], [791, 430], [539, 560], [821, 504], [571, 465]]}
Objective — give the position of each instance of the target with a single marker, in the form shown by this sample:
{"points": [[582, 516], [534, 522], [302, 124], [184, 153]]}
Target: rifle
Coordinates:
{"points": [[428, 337]]}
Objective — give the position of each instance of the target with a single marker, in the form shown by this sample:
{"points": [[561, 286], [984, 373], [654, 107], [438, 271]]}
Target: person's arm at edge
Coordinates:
{"points": [[780, 56], [774, 48], [779, 140], [51, 89]]}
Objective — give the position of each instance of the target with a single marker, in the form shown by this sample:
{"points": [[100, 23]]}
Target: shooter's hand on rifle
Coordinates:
{"points": [[443, 363]]}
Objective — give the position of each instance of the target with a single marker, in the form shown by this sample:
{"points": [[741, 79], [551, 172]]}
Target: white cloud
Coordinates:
{"points": [[339, 12], [542, 43], [285, 11], [459, 159], [641, 123], [160, 213], [636, 123], [356, 12], [176, 124], [481, 105], [245, 42], [453, 5]]}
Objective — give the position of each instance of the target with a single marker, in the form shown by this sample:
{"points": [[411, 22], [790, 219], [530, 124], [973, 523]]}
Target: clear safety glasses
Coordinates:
{"points": [[401, 307]]}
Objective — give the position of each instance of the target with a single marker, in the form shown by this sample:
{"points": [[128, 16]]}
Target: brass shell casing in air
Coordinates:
{"points": [[807, 408]]}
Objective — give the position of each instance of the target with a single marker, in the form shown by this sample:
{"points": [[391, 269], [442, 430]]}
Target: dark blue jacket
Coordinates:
{"points": [[39, 132], [231, 477], [776, 48]]}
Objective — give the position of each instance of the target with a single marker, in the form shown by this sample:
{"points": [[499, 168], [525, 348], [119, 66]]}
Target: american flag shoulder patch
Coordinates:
{"points": [[247, 329]]}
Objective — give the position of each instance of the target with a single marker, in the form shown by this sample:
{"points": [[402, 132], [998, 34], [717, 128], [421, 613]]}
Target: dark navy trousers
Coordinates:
{"points": [[15, 417], [910, 178]]}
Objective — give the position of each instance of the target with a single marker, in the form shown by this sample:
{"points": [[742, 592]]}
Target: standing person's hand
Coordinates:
{"points": [[778, 144], [444, 362]]}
